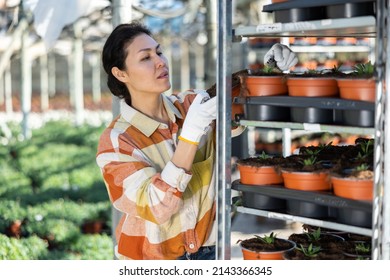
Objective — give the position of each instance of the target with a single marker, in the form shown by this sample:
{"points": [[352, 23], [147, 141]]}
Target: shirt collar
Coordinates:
{"points": [[144, 123]]}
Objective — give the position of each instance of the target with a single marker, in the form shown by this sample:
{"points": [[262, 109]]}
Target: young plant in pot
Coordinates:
{"points": [[258, 171], [267, 81], [354, 179], [359, 84], [267, 247], [306, 173], [313, 83], [316, 246], [357, 250]]}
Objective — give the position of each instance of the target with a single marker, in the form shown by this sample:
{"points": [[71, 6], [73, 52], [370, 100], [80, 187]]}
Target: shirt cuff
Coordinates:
{"points": [[176, 177]]}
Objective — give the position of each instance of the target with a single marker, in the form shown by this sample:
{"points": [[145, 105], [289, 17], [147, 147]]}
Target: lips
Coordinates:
{"points": [[163, 75]]}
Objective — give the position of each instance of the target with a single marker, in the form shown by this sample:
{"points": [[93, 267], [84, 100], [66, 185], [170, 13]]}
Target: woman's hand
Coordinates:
{"points": [[282, 56], [202, 112]]}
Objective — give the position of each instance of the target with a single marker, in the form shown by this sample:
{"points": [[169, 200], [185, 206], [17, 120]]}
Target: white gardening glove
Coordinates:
{"points": [[282, 56], [201, 113]]}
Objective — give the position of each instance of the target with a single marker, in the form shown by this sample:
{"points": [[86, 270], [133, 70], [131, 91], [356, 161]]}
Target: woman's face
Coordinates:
{"points": [[147, 69]]}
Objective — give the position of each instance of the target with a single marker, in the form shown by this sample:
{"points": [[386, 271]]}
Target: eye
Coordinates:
{"points": [[146, 58], [159, 53]]}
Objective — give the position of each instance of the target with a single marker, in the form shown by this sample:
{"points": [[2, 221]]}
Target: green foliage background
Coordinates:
{"points": [[53, 187]]}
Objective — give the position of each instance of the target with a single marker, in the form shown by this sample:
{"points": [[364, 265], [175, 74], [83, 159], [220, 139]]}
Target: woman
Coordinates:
{"points": [[157, 157]]}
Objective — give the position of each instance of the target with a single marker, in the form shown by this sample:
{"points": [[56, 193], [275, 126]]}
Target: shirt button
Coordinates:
{"points": [[192, 246]]}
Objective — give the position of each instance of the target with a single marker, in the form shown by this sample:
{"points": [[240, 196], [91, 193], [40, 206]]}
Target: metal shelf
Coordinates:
{"points": [[366, 26], [312, 127], [305, 220], [341, 27], [332, 49]]}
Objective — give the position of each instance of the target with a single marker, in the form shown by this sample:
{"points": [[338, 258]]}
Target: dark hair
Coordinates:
{"points": [[114, 55]]}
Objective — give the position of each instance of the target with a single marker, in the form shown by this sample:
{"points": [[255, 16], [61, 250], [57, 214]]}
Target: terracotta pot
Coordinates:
{"points": [[266, 255], [266, 85], [306, 181], [357, 89], [358, 189], [312, 87], [264, 175]]}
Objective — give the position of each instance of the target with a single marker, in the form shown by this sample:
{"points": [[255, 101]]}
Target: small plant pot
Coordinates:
{"points": [[266, 113], [349, 10], [363, 118], [259, 175], [300, 14], [312, 87], [357, 89], [306, 181], [306, 209], [354, 217], [266, 85], [262, 202], [351, 252], [252, 254], [357, 189], [311, 115]]}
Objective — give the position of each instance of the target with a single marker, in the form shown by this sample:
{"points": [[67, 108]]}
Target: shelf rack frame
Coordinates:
{"points": [[358, 27]]}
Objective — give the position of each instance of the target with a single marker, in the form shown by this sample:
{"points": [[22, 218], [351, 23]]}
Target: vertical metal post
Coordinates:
{"points": [[211, 20], [381, 209], [224, 85]]}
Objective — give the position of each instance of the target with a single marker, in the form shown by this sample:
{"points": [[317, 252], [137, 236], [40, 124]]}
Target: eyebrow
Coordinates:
{"points": [[149, 49]]}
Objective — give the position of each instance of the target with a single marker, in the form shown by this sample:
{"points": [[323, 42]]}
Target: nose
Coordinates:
{"points": [[161, 61]]}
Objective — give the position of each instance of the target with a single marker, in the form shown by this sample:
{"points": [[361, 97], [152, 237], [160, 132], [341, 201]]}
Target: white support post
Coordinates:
{"points": [[78, 74], [44, 82], [96, 88], [8, 90], [26, 88]]}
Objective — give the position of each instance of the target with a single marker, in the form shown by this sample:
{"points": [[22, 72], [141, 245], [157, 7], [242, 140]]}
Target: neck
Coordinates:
{"points": [[153, 108]]}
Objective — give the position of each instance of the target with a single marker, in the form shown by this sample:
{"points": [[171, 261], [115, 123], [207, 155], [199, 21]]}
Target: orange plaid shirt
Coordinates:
{"points": [[159, 221]]}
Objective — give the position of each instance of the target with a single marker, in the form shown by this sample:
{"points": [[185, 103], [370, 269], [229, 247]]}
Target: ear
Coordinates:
{"points": [[119, 74]]}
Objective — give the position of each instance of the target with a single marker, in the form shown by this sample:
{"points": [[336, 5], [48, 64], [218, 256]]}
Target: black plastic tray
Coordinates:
{"points": [[316, 102], [320, 198], [306, 4]]}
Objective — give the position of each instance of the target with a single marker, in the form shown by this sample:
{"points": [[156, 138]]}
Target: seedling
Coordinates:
{"points": [[364, 69], [362, 248], [362, 167], [317, 150], [310, 161], [263, 156], [315, 235], [366, 149], [310, 251], [269, 239]]}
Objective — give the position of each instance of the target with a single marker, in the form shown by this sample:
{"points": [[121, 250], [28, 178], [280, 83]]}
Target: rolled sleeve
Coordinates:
{"points": [[176, 177]]}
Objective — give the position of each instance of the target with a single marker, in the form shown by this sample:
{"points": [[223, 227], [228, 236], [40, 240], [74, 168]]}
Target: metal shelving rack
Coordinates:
{"points": [[367, 26]]}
